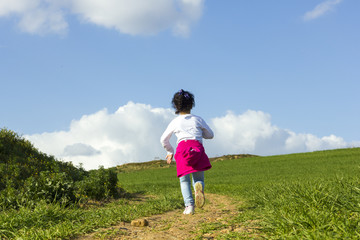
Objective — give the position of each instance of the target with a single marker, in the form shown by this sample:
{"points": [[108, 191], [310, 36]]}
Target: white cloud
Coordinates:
{"points": [[43, 21], [321, 9], [132, 134], [134, 17], [80, 149], [36, 16], [252, 132], [8, 7], [238, 133]]}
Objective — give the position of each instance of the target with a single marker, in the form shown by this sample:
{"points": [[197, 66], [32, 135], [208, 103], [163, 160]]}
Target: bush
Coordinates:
{"points": [[19, 160], [28, 176], [100, 184], [52, 187], [12, 198]]}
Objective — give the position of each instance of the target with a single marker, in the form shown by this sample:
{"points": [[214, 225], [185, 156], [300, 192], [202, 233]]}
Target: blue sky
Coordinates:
{"points": [[296, 61]]}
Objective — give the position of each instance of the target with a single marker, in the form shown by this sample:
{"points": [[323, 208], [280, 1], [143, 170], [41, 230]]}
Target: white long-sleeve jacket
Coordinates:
{"points": [[185, 127]]}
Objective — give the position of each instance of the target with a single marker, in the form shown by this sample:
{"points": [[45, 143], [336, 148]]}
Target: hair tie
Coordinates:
{"points": [[183, 93]]}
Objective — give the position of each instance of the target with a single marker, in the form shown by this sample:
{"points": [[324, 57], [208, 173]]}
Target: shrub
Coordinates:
{"points": [[12, 198], [100, 184], [28, 175], [52, 187]]}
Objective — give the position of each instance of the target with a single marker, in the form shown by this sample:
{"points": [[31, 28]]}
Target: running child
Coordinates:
{"points": [[190, 155]]}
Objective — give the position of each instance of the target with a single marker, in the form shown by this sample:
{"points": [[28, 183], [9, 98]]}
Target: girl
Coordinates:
{"points": [[190, 155]]}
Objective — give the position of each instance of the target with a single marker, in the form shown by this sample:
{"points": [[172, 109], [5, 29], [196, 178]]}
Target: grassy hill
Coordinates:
{"points": [[297, 196], [28, 176], [155, 164], [20, 160]]}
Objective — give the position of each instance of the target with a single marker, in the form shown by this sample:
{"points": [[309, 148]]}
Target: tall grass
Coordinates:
{"points": [[312, 209], [43, 198], [297, 196], [53, 221], [300, 196]]}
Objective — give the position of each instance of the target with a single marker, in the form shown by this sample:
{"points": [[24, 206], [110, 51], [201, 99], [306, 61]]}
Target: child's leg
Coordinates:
{"points": [[198, 181], [198, 177], [185, 185]]}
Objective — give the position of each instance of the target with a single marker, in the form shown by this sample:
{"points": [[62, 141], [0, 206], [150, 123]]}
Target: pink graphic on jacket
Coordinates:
{"points": [[190, 157]]}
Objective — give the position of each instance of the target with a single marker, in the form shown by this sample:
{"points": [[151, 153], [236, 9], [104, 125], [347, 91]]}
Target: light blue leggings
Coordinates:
{"points": [[185, 185]]}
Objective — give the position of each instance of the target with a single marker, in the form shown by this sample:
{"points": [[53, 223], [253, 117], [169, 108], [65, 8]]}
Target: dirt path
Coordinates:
{"points": [[216, 213]]}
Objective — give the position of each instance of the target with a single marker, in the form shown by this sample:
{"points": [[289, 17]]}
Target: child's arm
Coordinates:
{"points": [[207, 133], [165, 142], [169, 158]]}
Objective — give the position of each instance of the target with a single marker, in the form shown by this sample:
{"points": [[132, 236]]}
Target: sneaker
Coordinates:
{"points": [[199, 195], [189, 210]]}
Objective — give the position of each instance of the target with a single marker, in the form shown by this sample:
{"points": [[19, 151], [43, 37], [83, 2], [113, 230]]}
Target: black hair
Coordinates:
{"points": [[183, 101]]}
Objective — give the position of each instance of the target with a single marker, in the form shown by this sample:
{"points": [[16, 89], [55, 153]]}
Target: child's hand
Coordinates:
{"points": [[169, 158]]}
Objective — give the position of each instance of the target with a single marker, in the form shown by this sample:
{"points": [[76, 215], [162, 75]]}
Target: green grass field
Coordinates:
{"points": [[297, 196]]}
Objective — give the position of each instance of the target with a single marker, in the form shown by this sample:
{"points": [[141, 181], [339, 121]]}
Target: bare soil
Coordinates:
{"points": [[210, 222]]}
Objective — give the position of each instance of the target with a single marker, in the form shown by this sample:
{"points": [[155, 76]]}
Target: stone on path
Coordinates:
{"points": [[139, 223]]}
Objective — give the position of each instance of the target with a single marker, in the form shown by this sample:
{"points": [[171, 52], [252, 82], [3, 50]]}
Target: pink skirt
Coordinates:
{"points": [[190, 157]]}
